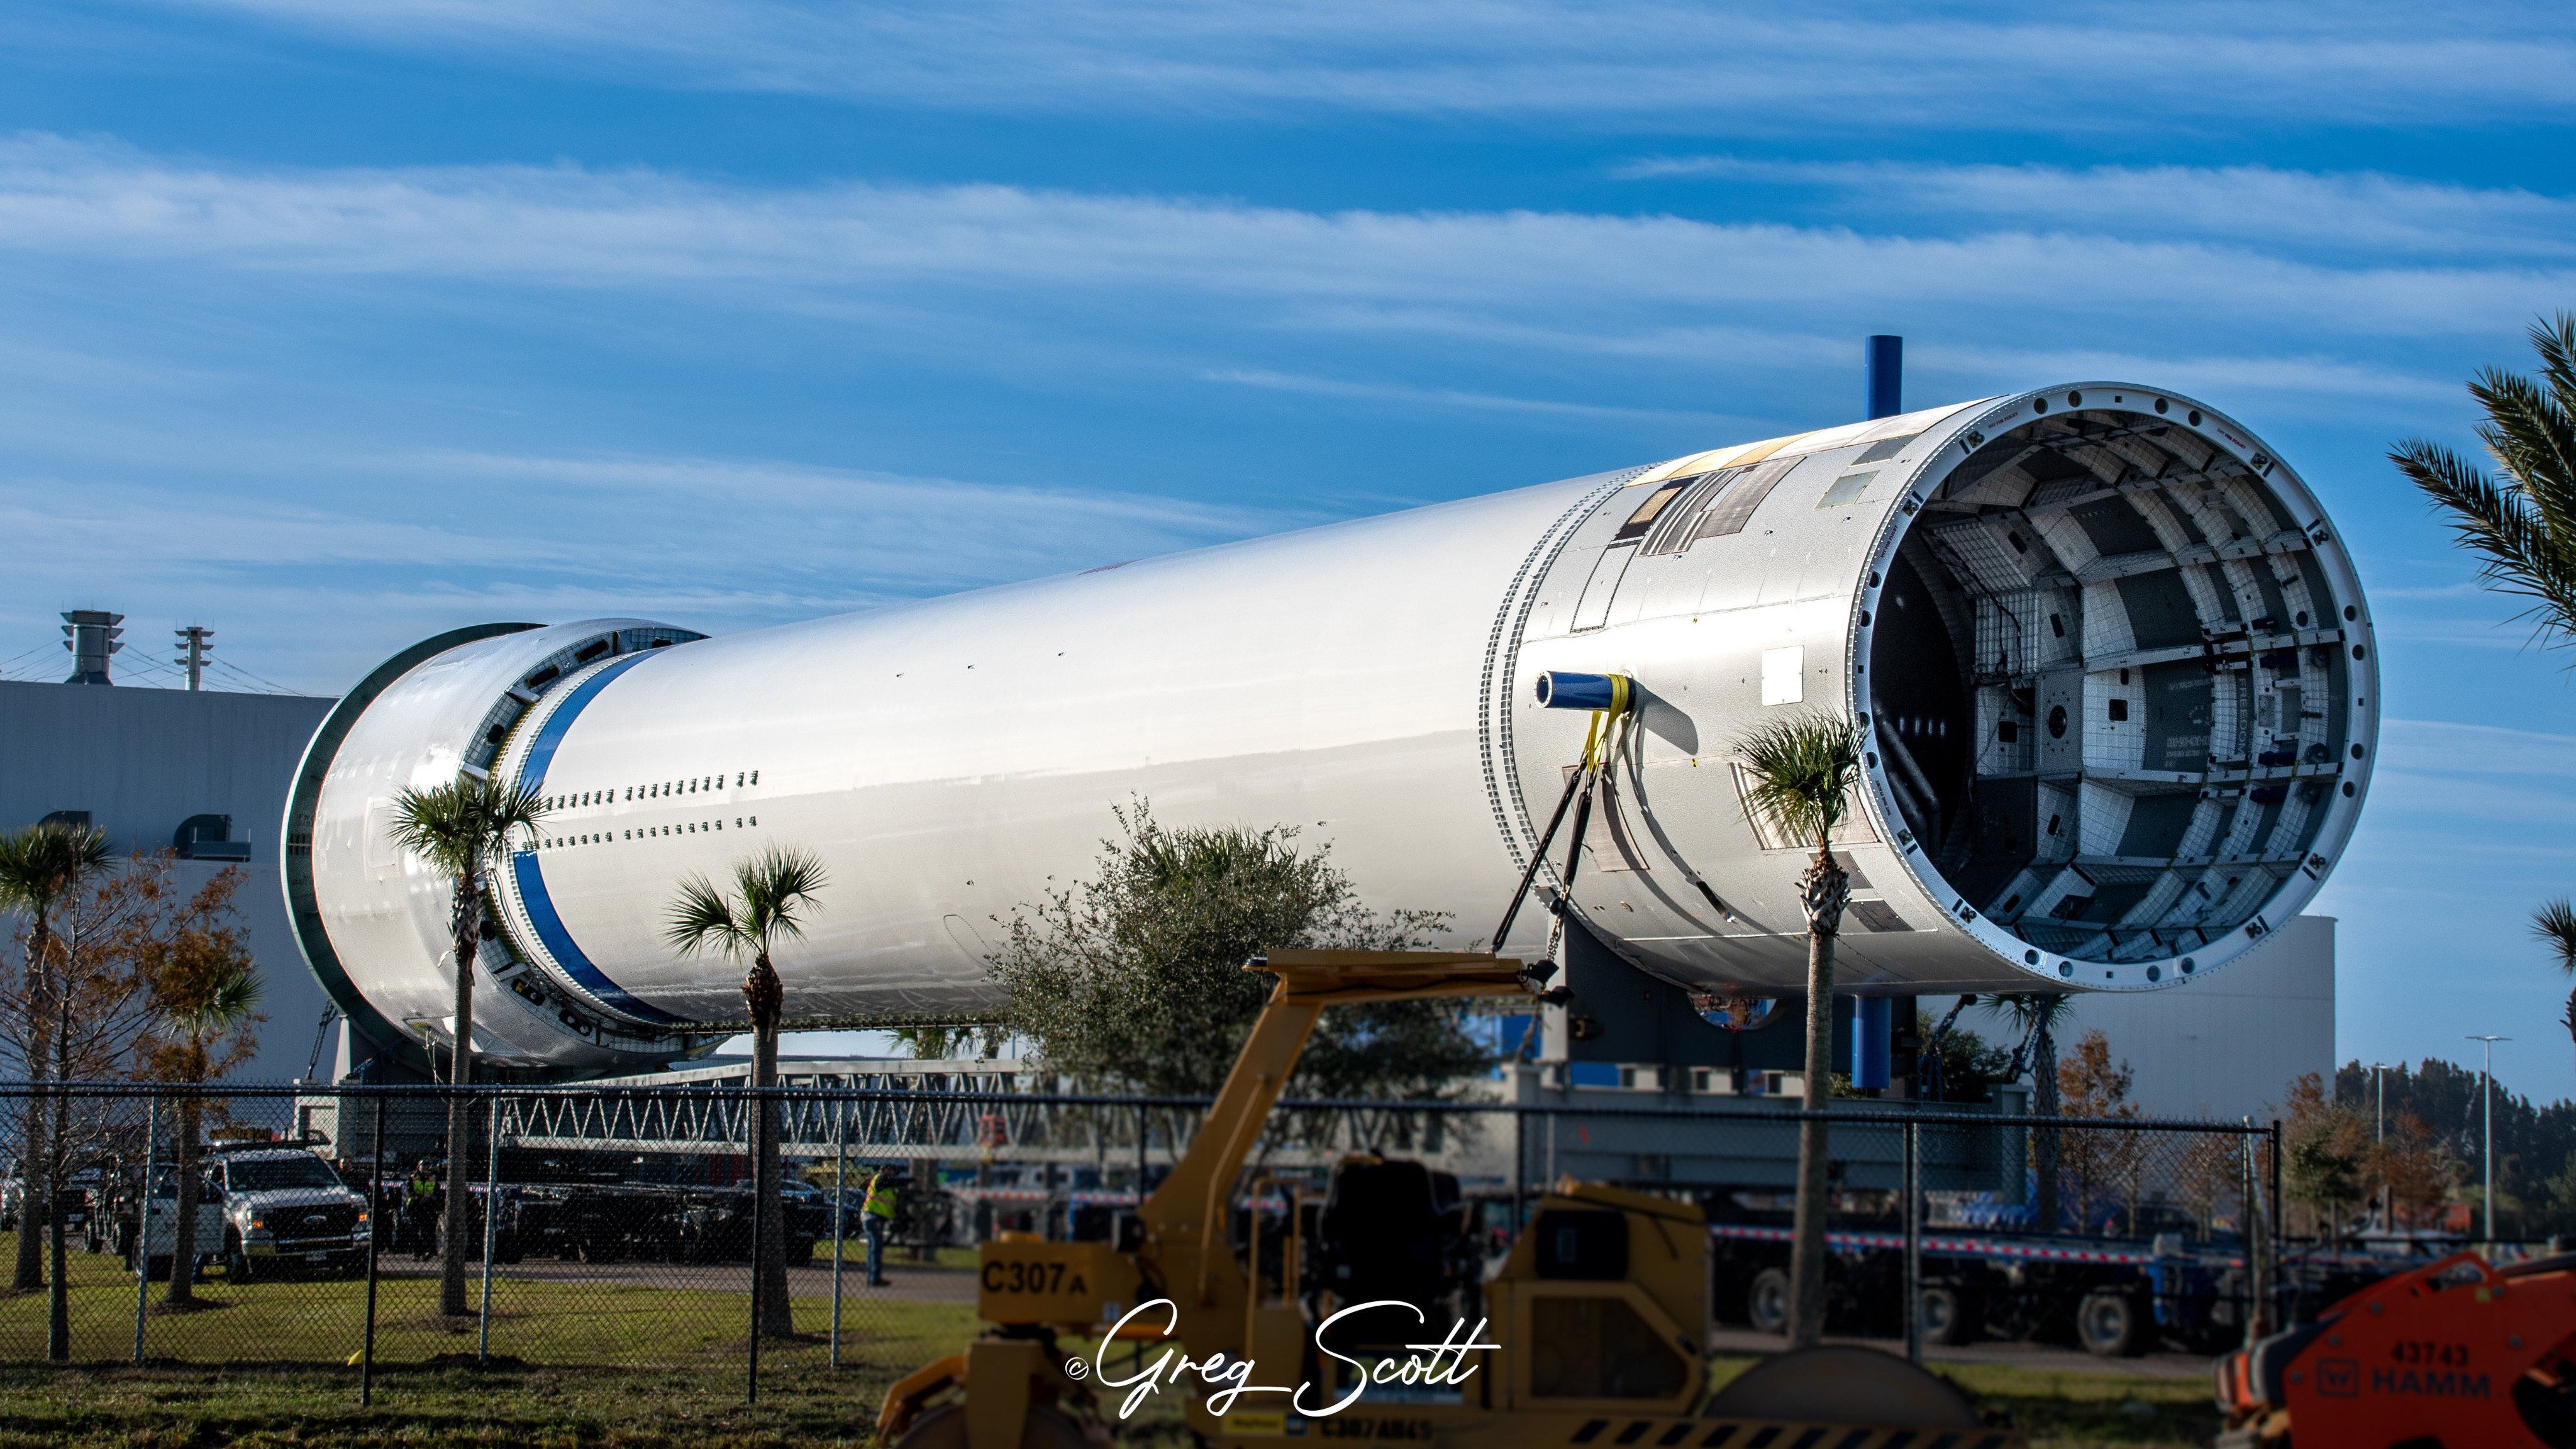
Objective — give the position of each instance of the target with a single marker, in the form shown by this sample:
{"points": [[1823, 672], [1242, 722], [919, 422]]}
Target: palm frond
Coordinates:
{"points": [[460, 825], [41, 862], [2548, 422], [2522, 527], [1802, 768], [2028, 1010], [2555, 341], [702, 919], [769, 892], [2555, 925], [773, 885], [215, 1002]]}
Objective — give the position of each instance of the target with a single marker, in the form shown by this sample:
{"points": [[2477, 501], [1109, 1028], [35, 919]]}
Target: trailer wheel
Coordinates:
{"points": [[2112, 1324], [1766, 1302], [945, 1428], [1950, 1316]]}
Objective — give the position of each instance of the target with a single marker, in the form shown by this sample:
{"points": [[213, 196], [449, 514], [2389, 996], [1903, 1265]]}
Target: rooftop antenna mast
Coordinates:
{"points": [[194, 646]]}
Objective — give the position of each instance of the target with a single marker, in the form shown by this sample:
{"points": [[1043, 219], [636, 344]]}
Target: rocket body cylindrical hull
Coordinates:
{"points": [[1369, 684]]}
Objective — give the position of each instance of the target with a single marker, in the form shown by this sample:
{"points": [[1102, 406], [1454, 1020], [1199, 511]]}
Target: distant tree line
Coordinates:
{"points": [[2428, 1144]]}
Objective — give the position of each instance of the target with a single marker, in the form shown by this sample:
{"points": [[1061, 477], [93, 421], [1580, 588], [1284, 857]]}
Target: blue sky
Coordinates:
{"points": [[331, 326]]}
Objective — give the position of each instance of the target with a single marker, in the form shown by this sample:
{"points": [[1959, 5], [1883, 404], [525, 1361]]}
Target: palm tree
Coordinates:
{"points": [[768, 889], [2037, 1015], [40, 866], [2555, 924], [1802, 771], [2523, 525], [462, 827], [202, 998]]}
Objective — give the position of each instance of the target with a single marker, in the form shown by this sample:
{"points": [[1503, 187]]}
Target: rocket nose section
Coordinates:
{"points": [[372, 919]]}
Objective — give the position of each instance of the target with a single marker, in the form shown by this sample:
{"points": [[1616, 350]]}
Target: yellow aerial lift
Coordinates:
{"points": [[1598, 1318]]}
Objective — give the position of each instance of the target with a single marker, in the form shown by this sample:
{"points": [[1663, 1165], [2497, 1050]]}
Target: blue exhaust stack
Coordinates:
{"points": [[1886, 368]]}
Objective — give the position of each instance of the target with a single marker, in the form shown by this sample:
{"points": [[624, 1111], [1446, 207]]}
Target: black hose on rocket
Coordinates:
{"points": [[1608, 696], [1537, 858]]}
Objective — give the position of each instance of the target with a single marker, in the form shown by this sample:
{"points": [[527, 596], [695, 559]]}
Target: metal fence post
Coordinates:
{"points": [[375, 1235], [2280, 1278], [840, 1209], [751, 1363], [1914, 1242], [491, 1221], [1520, 1169], [143, 1222]]}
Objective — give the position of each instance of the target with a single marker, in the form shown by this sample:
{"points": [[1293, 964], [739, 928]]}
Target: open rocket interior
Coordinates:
{"points": [[2112, 684]]}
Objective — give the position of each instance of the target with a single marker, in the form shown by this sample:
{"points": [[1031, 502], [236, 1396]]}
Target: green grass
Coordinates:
{"points": [[606, 1364], [502, 1408], [2074, 1409], [312, 1321]]}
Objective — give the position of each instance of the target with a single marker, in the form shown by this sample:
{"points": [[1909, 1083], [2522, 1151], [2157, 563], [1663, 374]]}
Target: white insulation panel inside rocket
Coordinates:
{"points": [[2112, 670]]}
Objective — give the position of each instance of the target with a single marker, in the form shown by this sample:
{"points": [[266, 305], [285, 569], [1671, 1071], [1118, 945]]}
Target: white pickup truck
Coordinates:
{"points": [[263, 1210], [162, 1224]]}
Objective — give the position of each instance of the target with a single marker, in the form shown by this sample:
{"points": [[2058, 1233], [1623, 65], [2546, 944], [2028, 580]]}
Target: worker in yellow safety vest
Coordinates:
{"points": [[876, 1219]]}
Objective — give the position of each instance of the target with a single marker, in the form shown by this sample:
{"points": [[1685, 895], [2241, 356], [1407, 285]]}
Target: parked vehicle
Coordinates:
{"points": [[2115, 1296], [285, 1208], [161, 1218]]}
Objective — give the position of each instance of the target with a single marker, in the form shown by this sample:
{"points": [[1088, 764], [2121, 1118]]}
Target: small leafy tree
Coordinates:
{"points": [[2102, 1168], [96, 1002], [769, 891], [1969, 1066], [205, 996], [462, 828], [40, 867], [1134, 979], [2418, 1172], [2325, 1150], [1802, 771]]}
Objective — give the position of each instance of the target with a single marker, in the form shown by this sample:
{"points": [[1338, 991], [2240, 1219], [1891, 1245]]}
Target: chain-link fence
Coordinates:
{"points": [[613, 1225]]}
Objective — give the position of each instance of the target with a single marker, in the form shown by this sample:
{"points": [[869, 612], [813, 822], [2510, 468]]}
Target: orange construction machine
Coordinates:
{"points": [[2459, 1354]]}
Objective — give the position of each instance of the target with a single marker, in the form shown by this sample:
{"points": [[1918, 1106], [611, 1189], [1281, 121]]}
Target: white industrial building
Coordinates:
{"points": [[202, 772], [2230, 1044]]}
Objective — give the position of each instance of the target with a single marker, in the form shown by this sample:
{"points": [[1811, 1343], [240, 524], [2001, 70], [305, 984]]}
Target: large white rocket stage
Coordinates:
{"points": [[2113, 667]]}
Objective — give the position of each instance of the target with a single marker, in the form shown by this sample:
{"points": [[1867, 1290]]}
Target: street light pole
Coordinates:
{"points": [[2379, 1136], [2486, 1103], [2389, 1215]]}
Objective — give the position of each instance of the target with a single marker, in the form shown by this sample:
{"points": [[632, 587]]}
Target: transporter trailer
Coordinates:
{"points": [[1593, 1330]]}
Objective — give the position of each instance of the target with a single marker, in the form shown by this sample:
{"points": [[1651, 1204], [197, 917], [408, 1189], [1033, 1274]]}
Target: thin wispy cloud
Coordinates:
{"points": [[571, 228], [1753, 68], [412, 545], [2341, 214], [1413, 397]]}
